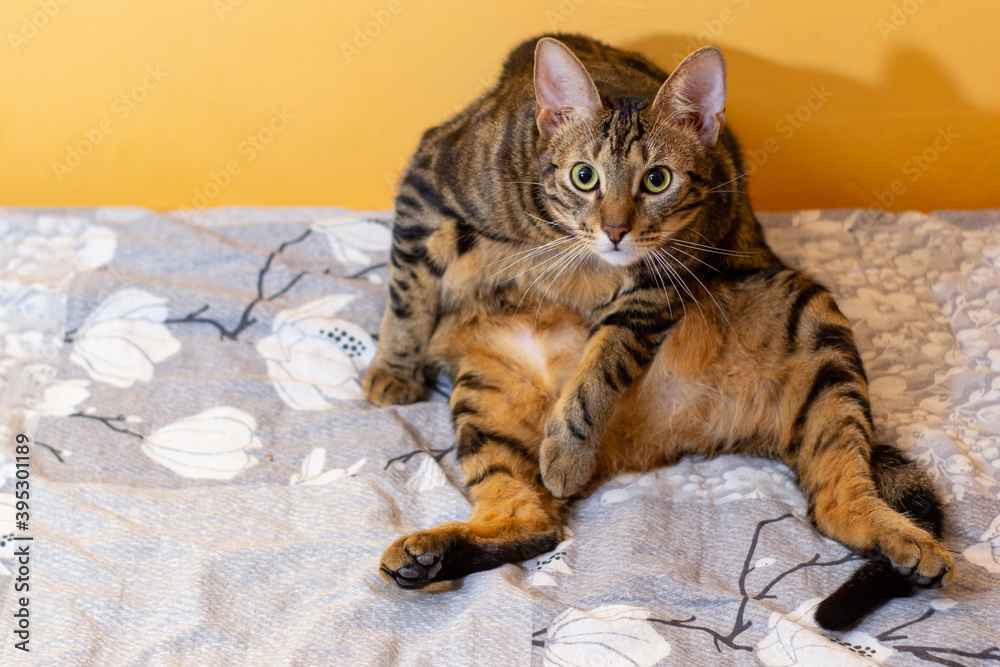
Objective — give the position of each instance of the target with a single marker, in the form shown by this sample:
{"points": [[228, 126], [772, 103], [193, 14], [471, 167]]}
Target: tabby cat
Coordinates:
{"points": [[576, 249]]}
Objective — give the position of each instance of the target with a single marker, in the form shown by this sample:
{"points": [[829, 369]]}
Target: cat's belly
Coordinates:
{"points": [[542, 347], [547, 351], [701, 394]]}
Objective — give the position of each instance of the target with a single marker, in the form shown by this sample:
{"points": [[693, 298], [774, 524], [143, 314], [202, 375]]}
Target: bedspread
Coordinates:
{"points": [[206, 485]]}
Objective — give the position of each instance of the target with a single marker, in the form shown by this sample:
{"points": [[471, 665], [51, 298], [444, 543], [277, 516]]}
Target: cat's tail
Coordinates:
{"points": [[908, 490]]}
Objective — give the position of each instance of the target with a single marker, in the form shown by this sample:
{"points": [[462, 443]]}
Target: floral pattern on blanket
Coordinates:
{"points": [[193, 396]]}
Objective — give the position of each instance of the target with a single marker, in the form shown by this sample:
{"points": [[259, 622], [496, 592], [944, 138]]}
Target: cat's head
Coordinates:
{"points": [[627, 176]]}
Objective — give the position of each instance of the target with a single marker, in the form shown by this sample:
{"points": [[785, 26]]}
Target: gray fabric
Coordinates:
{"points": [[224, 494]]}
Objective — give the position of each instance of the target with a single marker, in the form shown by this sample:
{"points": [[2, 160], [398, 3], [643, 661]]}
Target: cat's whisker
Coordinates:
{"points": [[580, 255], [537, 264], [530, 268], [659, 279], [547, 222], [564, 255], [698, 260], [707, 291], [538, 253], [559, 266], [530, 252], [671, 276], [561, 225], [711, 249], [716, 187]]}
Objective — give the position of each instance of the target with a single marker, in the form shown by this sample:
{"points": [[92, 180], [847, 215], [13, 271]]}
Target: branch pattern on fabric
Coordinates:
{"points": [[247, 319]]}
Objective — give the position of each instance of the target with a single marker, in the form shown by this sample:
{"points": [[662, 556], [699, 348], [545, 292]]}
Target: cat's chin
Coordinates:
{"points": [[619, 257]]}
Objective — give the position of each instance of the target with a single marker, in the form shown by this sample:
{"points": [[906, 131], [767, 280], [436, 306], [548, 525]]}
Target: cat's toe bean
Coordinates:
{"points": [[923, 562], [410, 571], [412, 562]]}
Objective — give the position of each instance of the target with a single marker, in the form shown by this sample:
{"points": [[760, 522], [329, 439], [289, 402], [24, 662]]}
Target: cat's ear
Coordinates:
{"points": [[695, 94], [564, 92]]}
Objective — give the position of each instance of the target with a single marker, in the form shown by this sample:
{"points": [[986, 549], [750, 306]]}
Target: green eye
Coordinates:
{"points": [[656, 180], [584, 176]]}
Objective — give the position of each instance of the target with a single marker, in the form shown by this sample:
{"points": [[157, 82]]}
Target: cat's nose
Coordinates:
{"points": [[615, 232]]}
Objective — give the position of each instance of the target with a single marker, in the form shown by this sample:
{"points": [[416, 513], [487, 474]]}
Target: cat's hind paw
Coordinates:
{"points": [[922, 562], [414, 561]]}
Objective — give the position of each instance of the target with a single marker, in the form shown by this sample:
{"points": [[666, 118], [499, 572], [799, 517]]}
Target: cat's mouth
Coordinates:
{"points": [[623, 253]]}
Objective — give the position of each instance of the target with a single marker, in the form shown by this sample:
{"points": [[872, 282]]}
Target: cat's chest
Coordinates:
{"points": [[495, 276]]}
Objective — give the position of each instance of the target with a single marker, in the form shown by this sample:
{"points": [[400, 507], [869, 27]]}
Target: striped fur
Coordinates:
{"points": [[591, 332]]}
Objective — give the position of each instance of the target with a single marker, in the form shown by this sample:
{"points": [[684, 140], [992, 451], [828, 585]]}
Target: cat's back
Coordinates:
{"points": [[615, 72], [630, 72]]}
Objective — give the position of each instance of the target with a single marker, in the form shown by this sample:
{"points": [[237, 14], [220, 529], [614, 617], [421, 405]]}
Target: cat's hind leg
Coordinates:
{"points": [[512, 521], [507, 376], [841, 469]]}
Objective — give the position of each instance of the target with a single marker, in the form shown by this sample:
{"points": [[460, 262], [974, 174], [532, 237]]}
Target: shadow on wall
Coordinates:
{"points": [[814, 139]]}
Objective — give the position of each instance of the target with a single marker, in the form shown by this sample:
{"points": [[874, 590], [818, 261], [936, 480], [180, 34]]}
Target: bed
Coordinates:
{"points": [[208, 487]]}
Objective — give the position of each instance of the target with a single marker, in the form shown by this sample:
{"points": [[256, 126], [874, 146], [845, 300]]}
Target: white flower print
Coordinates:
{"points": [[312, 357], [881, 311], [123, 338], [612, 635], [747, 482], [25, 309], [720, 480], [312, 470], [430, 475], [794, 640], [994, 357], [31, 346], [62, 247], [543, 567], [210, 445], [351, 237], [813, 224], [61, 398], [7, 513], [634, 484], [742, 482], [943, 604], [7, 470], [986, 554], [988, 419]]}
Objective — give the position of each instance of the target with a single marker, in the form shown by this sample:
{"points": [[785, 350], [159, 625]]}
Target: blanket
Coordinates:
{"points": [[189, 474]]}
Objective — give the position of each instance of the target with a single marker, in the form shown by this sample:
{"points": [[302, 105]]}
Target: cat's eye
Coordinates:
{"points": [[656, 180], [584, 176]]}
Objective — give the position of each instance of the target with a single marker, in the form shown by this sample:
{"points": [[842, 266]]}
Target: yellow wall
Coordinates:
{"points": [[166, 95]]}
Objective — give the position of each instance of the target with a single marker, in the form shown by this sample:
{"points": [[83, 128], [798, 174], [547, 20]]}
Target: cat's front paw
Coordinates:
{"points": [[384, 388], [567, 462]]}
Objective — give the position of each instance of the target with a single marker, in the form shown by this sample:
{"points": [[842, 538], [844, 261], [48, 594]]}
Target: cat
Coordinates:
{"points": [[577, 250]]}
